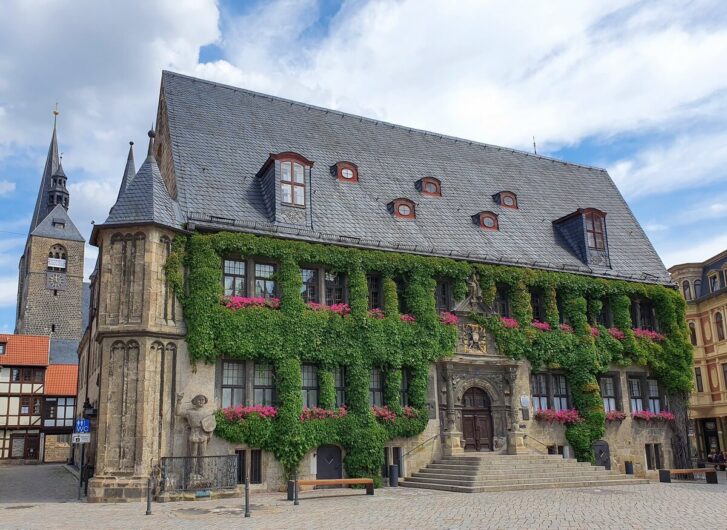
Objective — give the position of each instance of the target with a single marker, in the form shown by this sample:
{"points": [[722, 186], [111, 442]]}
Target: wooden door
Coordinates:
{"points": [[602, 454], [468, 431], [328, 462], [483, 431], [476, 420]]}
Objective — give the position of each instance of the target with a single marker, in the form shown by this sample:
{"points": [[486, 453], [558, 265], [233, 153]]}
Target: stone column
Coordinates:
{"points": [[452, 437]]}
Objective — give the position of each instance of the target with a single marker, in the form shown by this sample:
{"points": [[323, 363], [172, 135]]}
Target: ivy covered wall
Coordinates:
{"points": [[295, 334]]}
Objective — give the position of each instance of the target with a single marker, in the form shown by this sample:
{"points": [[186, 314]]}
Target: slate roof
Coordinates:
{"points": [[46, 227], [129, 171], [24, 350], [145, 200], [61, 380], [221, 136], [63, 351], [52, 163]]}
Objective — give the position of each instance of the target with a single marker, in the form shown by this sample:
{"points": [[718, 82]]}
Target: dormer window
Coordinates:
{"points": [[429, 186], [506, 199], [292, 182], [595, 229], [403, 208], [487, 221], [346, 171]]}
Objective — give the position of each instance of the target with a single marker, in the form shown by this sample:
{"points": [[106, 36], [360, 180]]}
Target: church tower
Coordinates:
{"points": [[50, 272]]}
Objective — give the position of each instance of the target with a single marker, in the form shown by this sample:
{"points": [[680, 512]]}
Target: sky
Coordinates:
{"points": [[636, 87]]}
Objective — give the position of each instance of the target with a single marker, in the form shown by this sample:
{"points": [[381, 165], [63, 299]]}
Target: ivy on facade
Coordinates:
{"points": [[295, 334]]}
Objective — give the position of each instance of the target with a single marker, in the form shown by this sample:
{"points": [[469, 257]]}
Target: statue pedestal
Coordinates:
{"points": [[452, 443], [516, 442]]}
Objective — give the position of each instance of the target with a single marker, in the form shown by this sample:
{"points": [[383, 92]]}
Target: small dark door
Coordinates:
{"points": [[476, 421], [602, 454], [329, 462], [32, 445]]}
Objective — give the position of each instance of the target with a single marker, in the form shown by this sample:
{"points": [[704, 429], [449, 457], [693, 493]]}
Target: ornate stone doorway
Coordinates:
{"points": [[476, 420]]}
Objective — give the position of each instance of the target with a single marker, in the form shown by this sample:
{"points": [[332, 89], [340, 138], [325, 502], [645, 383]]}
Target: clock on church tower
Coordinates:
{"points": [[56, 281]]}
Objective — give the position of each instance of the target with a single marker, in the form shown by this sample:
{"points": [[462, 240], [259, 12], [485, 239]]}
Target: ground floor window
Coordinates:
{"points": [[635, 397], [549, 391], [256, 471], [263, 389], [309, 392]]}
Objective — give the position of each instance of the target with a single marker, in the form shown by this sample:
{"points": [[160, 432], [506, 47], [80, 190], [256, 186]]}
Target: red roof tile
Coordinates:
{"points": [[25, 350], [61, 379]]}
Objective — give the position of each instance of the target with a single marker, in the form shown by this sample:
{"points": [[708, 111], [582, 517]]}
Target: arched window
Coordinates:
{"points": [[346, 171], [687, 289], [487, 221], [506, 199], [697, 288], [403, 208], [57, 258], [719, 324], [430, 186], [693, 333]]}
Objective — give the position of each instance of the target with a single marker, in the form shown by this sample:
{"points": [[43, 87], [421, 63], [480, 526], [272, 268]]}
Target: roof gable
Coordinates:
{"points": [[25, 350], [50, 227]]}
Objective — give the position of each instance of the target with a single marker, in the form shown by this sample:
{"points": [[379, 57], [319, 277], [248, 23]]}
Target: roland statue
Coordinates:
{"points": [[201, 422]]}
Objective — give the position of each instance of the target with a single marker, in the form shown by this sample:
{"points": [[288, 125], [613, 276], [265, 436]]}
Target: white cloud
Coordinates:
{"points": [[8, 290], [695, 253], [6, 187]]}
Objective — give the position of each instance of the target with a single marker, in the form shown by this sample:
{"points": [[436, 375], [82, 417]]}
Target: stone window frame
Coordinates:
{"points": [[310, 389], [697, 288], [241, 367], [404, 387], [266, 279], [375, 284], [335, 287], [310, 290], [713, 279], [443, 296], [616, 397], [550, 397], [339, 384], [376, 387], [693, 333], [654, 456], [687, 290], [537, 304], [502, 301]]}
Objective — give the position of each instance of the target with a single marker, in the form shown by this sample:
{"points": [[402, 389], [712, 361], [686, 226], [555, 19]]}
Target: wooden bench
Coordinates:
{"points": [[710, 475], [368, 482]]}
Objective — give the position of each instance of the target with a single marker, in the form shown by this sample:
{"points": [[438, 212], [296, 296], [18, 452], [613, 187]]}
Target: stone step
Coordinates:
{"points": [[526, 486], [513, 467], [483, 481], [484, 457], [503, 474]]}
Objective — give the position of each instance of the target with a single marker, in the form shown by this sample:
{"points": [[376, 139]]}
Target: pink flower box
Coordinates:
{"points": [[566, 328], [648, 335], [645, 415], [340, 309], [376, 313], [240, 413], [384, 413], [509, 323], [408, 318], [566, 417], [241, 302], [595, 332], [448, 319], [410, 412], [541, 326], [615, 415], [317, 413], [617, 334]]}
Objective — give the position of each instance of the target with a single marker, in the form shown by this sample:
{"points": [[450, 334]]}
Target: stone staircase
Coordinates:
{"points": [[483, 472]]}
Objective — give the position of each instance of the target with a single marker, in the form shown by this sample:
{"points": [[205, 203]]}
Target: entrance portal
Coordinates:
{"points": [[476, 420]]}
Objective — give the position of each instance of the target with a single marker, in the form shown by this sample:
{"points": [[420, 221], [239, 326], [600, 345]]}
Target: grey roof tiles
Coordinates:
{"points": [[221, 136], [58, 225]]}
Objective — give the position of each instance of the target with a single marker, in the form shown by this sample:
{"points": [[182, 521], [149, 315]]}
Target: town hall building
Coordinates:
{"points": [[286, 290]]}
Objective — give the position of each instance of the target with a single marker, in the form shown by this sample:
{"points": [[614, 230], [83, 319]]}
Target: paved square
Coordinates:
{"points": [[44, 497]]}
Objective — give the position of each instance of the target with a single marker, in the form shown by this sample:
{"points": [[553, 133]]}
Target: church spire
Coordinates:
{"points": [[129, 171], [52, 164]]}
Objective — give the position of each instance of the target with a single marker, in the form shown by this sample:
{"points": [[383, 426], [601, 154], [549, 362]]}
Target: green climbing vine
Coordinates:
{"points": [[295, 334]]}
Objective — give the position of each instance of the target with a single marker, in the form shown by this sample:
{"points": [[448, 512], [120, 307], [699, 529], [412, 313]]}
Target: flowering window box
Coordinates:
{"points": [[377, 314], [240, 413], [384, 413], [540, 326], [408, 318], [241, 302], [647, 416], [340, 309], [648, 335], [566, 417], [316, 413], [617, 333], [615, 415], [448, 319], [509, 323], [566, 328]]}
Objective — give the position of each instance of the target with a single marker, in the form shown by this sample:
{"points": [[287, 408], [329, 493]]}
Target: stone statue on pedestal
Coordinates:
{"points": [[202, 423]]}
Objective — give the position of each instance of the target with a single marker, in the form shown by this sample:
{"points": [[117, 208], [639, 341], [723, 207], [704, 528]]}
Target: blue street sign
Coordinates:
{"points": [[83, 425]]}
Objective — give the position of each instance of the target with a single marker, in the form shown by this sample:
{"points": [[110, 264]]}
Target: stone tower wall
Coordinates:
{"points": [[41, 309]]}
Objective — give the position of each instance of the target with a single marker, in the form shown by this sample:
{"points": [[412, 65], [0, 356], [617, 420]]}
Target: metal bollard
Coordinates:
{"points": [[295, 490], [247, 495], [148, 497]]}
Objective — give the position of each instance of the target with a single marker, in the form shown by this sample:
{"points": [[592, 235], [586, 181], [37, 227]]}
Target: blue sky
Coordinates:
{"points": [[637, 87]]}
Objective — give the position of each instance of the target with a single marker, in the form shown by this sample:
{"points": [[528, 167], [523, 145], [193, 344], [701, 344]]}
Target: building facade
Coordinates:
{"points": [[704, 286], [37, 401], [322, 293]]}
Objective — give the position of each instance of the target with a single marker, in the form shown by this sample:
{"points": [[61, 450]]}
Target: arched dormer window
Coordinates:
{"points": [[687, 290], [719, 324], [487, 221], [403, 208], [595, 229], [429, 186], [57, 258], [506, 199], [345, 171], [697, 288]]}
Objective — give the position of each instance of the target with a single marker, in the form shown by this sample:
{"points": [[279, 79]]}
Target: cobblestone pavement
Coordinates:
{"points": [[665, 506]]}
